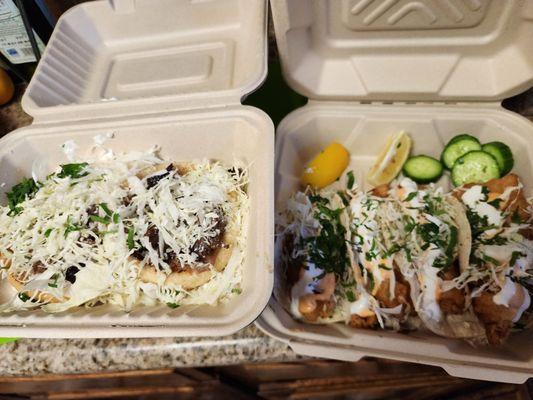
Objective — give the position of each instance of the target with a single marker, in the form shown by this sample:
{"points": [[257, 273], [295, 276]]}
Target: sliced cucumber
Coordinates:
{"points": [[457, 147], [423, 169], [475, 167], [503, 155]]}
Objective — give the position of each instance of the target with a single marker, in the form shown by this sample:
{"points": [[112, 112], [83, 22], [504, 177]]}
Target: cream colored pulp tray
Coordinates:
{"points": [[154, 72], [372, 68]]}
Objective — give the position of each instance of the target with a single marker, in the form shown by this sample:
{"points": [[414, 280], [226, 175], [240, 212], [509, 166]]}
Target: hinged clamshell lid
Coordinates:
{"points": [[406, 50], [130, 56]]}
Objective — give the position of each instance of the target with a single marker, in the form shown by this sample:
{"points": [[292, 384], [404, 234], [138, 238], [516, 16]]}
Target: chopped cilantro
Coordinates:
{"points": [[350, 296], [54, 279], [328, 250], [410, 227], [106, 209], [48, 232], [408, 254], [131, 243], [316, 199], [494, 241], [349, 284], [22, 191], [383, 266], [371, 282], [173, 305], [452, 241], [73, 171], [103, 233], [102, 220], [411, 196], [449, 251], [430, 234], [489, 259], [116, 218], [515, 218], [432, 205], [495, 203], [351, 180], [70, 227], [370, 255], [478, 224], [515, 256], [236, 290], [343, 198], [23, 296], [393, 250]]}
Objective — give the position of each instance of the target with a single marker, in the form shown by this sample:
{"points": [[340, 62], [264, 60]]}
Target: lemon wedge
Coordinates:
{"points": [[327, 166], [391, 159]]}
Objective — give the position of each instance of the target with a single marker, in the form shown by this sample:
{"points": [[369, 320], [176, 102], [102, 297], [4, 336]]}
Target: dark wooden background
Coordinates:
{"points": [[367, 379]]}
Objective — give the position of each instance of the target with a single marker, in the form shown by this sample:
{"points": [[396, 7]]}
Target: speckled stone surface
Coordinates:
{"points": [[67, 356]]}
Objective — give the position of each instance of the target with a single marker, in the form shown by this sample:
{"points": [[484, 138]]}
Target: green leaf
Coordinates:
{"points": [[343, 198], [131, 243], [515, 256], [328, 250], [371, 282], [48, 232], [70, 227], [316, 199], [489, 259], [515, 218], [103, 233], [393, 250], [23, 296], [173, 305], [411, 196], [350, 296], [19, 193], [116, 218], [102, 220], [383, 266], [351, 180], [106, 209], [236, 290], [54, 279], [495, 203], [73, 171], [408, 254]]}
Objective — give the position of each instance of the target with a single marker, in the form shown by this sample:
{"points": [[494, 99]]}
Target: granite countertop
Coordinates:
{"points": [[58, 356], [64, 356]]}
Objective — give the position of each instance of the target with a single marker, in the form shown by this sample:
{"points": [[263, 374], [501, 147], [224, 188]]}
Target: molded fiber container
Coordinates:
{"points": [[153, 72], [373, 68]]}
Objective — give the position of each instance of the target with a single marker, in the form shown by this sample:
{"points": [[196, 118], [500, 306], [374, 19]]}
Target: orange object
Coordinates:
{"points": [[6, 87], [327, 166]]}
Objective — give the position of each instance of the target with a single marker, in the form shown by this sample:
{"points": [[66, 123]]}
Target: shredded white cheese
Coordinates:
{"points": [[84, 238]]}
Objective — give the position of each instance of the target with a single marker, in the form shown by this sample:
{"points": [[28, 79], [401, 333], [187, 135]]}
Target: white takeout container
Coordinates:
{"points": [[173, 73], [373, 68]]}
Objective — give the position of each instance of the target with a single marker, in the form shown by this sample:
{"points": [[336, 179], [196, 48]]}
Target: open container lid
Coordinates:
{"points": [[178, 69], [342, 53], [406, 50], [117, 57]]}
